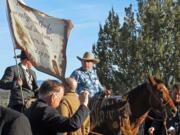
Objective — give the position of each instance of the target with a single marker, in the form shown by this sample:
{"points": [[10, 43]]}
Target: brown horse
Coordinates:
{"points": [[115, 116]]}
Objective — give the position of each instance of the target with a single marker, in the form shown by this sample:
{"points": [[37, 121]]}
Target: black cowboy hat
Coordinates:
{"points": [[21, 56]]}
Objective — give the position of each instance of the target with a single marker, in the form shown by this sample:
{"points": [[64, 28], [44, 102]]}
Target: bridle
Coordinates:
{"points": [[163, 105], [152, 94]]}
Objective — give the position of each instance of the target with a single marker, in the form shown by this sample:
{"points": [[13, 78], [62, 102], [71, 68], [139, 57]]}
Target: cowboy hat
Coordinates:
{"points": [[88, 57], [21, 56]]}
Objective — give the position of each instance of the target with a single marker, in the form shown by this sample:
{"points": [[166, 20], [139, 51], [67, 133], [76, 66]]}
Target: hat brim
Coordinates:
{"points": [[17, 56], [21, 56], [93, 60]]}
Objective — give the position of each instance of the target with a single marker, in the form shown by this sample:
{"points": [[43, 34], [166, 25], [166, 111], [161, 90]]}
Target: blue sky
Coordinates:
{"points": [[86, 16]]}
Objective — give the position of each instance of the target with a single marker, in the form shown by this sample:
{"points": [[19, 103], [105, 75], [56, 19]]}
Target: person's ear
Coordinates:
{"points": [[52, 98]]}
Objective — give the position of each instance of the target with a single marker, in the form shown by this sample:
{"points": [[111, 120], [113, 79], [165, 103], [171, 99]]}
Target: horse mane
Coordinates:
{"points": [[107, 108]]}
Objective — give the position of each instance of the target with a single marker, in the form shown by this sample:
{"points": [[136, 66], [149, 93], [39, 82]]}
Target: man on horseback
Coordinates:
{"points": [[87, 78], [86, 75], [21, 80]]}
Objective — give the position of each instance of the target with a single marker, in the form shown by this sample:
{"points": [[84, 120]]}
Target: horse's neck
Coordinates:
{"points": [[138, 123], [139, 104]]}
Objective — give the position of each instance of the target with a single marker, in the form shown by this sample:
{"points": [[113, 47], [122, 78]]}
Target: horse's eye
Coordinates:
{"points": [[172, 110], [160, 93]]}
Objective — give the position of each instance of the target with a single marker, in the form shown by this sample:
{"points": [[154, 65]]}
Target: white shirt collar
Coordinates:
{"points": [[24, 67]]}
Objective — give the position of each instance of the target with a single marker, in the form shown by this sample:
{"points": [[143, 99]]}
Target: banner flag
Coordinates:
{"points": [[42, 37]]}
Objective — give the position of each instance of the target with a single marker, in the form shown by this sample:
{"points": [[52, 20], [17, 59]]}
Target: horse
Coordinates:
{"points": [[116, 115]]}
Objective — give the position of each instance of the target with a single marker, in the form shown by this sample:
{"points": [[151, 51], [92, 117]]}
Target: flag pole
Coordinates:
{"points": [[19, 77], [14, 46]]}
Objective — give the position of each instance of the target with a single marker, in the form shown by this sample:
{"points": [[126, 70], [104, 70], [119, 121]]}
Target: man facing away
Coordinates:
{"points": [[21, 80], [86, 75], [13, 123], [70, 104], [44, 116]]}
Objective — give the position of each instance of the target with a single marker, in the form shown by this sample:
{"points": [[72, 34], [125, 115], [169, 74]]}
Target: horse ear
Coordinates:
{"points": [[152, 80]]}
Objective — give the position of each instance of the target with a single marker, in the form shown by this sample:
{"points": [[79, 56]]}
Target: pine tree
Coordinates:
{"points": [[157, 38], [108, 39], [127, 56], [150, 46]]}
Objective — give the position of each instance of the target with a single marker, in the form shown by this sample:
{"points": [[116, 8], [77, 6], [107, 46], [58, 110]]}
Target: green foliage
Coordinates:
{"points": [[158, 38], [148, 45], [108, 40]]}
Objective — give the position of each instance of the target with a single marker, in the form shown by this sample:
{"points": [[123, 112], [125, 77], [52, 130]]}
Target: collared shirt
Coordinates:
{"points": [[24, 67], [87, 80], [28, 76]]}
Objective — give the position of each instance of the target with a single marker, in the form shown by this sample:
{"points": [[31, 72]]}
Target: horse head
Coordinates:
{"points": [[148, 96], [162, 96]]}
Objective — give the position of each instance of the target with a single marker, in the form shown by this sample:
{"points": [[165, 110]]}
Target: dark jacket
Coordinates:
{"points": [[46, 120], [155, 120], [8, 82], [13, 123], [175, 121], [157, 123]]}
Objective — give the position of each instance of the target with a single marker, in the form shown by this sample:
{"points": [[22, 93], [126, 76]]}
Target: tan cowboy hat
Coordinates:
{"points": [[88, 57]]}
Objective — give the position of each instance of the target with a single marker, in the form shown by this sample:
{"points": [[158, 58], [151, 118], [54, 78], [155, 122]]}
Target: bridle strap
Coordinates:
{"points": [[154, 119], [149, 87], [165, 121], [95, 133], [166, 102]]}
